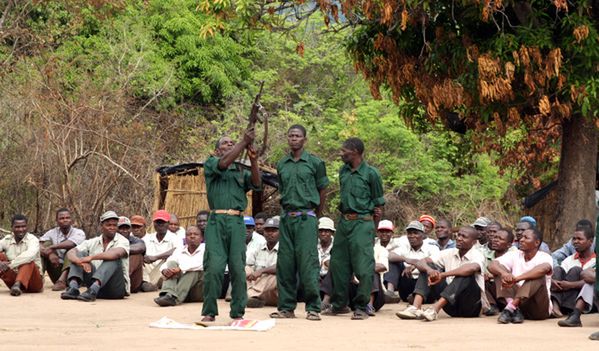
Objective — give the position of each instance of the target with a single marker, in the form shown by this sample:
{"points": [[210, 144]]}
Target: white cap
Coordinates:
{"points": [[326, 223]]}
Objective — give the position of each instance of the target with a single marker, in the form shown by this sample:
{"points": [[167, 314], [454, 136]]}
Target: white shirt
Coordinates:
{"points": [[324, 255], [180, 233], [574, 261], [381, 256], [426, 250], [155, 247], [188, 262], [515, 263], [449, 259], [254, 245], [263, 257], [94, 246]]}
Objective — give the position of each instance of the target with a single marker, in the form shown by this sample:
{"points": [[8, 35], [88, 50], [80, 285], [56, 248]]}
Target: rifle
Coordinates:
{"points": [[254, 117]]}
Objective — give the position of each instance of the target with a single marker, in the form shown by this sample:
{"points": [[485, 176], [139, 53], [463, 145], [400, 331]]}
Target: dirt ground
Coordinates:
{"points": [[34, 321]]}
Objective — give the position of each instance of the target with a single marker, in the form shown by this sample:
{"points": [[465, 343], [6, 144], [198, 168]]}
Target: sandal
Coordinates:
{"points": [[208, 319], [282, 314], [359, 315], [312, 316]]}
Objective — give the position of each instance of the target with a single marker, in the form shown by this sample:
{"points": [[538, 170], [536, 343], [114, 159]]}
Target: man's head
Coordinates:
{"points": [[531, 240], [466, 238], [63, 219], [326, 229], [202, 220], [173, 223], [415, 233], [193, 236], [582, 239], [296, 137], [428, 222], [161, 220], [109, 224], [529, 219], [138, 226], [223, 145], [520, 228], [271, 231], [443, 229], [502, 240], [260, 218], [124, 226], [351, 150], [584, 223], [492, 230], [250, 225], [481, 225], [385, 231], [19, 226]]}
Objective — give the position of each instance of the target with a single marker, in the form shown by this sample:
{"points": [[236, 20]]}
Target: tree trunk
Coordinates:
{"points": [[577, 176]]}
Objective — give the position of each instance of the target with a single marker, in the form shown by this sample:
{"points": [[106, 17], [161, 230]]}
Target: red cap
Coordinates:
{"points": [[162, 215], [429, 219]]}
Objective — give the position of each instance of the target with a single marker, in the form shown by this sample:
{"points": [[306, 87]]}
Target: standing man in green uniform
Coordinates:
{"points": [[227, 186], [302, 183], [361, 209]]}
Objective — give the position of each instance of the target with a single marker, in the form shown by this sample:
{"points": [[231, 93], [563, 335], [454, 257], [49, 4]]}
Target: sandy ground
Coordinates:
{"points": [[44, 321]]}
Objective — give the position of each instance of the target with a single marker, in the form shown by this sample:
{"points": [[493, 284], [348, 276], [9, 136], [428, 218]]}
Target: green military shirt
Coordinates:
{"points": [[361, 190], [227, 188], [300, 181]]}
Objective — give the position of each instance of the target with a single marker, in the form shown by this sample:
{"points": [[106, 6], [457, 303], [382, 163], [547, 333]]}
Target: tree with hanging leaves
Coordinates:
{"points": [[520, 78]]}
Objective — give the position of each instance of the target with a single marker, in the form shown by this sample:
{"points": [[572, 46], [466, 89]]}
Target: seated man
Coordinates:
{"points": [[326, 229], [183, 272], [20, 265], [253, 240], [377, 297], [159, 246], [568, 248], [54, 245], [100, 263], [456, 278], [261, 269], [137, 249], [402, 270], [567, 282], [443, 233], [500, 244], [525, 277], [174, 227]]}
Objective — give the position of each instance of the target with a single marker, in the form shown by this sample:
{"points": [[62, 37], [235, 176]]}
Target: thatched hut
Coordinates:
{"points": [[181, 189]]}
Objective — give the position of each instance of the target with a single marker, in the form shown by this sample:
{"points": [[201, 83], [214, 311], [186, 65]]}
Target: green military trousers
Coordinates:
{"points": [[352, 252], [225, 244], [187, 287], [298, 255]]}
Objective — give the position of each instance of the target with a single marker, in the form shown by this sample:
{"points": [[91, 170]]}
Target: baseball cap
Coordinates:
{"points": [[272, 223], [108, 215], [249, 220], [481, 222], [386, 224], [161, 215], [124, 221], [138, 220], [326, 223], [415, 225]]}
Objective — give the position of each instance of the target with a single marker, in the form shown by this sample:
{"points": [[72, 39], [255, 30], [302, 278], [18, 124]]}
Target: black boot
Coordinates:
{"points": [[573, 320]]}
